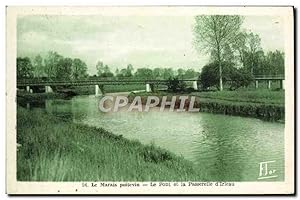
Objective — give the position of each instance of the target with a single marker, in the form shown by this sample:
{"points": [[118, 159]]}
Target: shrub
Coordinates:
{"points": [[209, 76], [176, 85]]}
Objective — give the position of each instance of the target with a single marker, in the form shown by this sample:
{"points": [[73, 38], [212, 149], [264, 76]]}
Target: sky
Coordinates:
{"points": [[143, 41]]}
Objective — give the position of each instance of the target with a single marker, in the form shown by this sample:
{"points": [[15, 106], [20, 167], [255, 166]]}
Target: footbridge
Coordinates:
{"points": [[149, 84], [98, 83]]}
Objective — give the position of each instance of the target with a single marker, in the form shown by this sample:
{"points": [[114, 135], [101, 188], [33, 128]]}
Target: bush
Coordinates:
{"points": [[240, 78], [176, 85], [236, 78]]}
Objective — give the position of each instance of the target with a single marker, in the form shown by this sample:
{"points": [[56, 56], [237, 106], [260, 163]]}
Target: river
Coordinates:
{"points": [[225, 148]]}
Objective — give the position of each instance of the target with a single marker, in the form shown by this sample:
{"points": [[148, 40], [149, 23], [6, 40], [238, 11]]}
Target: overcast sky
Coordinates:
{"points": [[143, 41]]}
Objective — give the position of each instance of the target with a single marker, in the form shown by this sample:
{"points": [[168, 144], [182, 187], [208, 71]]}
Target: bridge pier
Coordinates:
{"points": [[27, 88], [48, 89], [148, 88], [269, 84], [195, 85], [152, 88], [99, 90], [256, 84]]}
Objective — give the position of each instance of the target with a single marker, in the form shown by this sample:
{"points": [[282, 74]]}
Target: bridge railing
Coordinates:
{"points": [[44, 81], [97, 81]]}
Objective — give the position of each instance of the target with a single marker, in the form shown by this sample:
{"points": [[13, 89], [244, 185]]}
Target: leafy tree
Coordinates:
{"points": [[209, 76], [51, 64], [100, 68], [103, 70], [190, 73], [64, 69], [240, 47], [158, 73], [252, 50], [117, 72], [248, 46], [275, 62], [38, 66], [180, 73], [79, 69], [215, 33], [24, 68], [240, 78], [175, 85], [143, 73], [122, 73], [106, 72], [129, 70], [168, 73]]}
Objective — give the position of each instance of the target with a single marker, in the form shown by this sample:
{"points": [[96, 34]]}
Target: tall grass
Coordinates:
{"points": [[56, 150]]}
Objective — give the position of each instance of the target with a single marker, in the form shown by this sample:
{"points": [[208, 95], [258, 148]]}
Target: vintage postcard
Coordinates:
{"points": [[182, 100]]}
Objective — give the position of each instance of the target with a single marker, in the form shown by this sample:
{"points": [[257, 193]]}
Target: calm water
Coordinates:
{"points": [[225, 148]]}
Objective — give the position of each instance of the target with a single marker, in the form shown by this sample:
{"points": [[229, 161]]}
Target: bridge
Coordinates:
{"points": [[99, 83]]}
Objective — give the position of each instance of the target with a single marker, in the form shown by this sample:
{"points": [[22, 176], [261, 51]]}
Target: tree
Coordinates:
{"points": [[117, 72], [122, 73], [79, 69], [64, 69], [240, 78], [176, 85], [214, 33], [143, 73], [103, 70], [24, 68], [252, 49], [100, 68], [180, 73], [209, 76], [168, 73], [157, 73], [38, 66], [190, 73], [106, 72], [129, 70], [51, 64], [275, 62]]}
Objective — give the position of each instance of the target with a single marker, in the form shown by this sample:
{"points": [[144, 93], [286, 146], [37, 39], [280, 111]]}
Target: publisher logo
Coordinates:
{"points": [[266, 171]]}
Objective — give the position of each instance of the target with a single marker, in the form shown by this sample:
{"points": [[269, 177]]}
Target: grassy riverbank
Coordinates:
{"points": [[263, 104], [26, 96], [252, 96], [52, 149]]}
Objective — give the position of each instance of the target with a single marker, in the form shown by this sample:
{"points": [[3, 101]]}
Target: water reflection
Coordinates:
{"points": [[226, 148]]}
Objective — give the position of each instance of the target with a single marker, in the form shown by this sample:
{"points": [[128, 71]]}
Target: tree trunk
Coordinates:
{"points": [[220, 68], [221, 79]]}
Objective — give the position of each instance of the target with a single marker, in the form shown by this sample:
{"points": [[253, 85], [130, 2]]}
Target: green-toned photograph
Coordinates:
{"points": [[151, 97]]}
